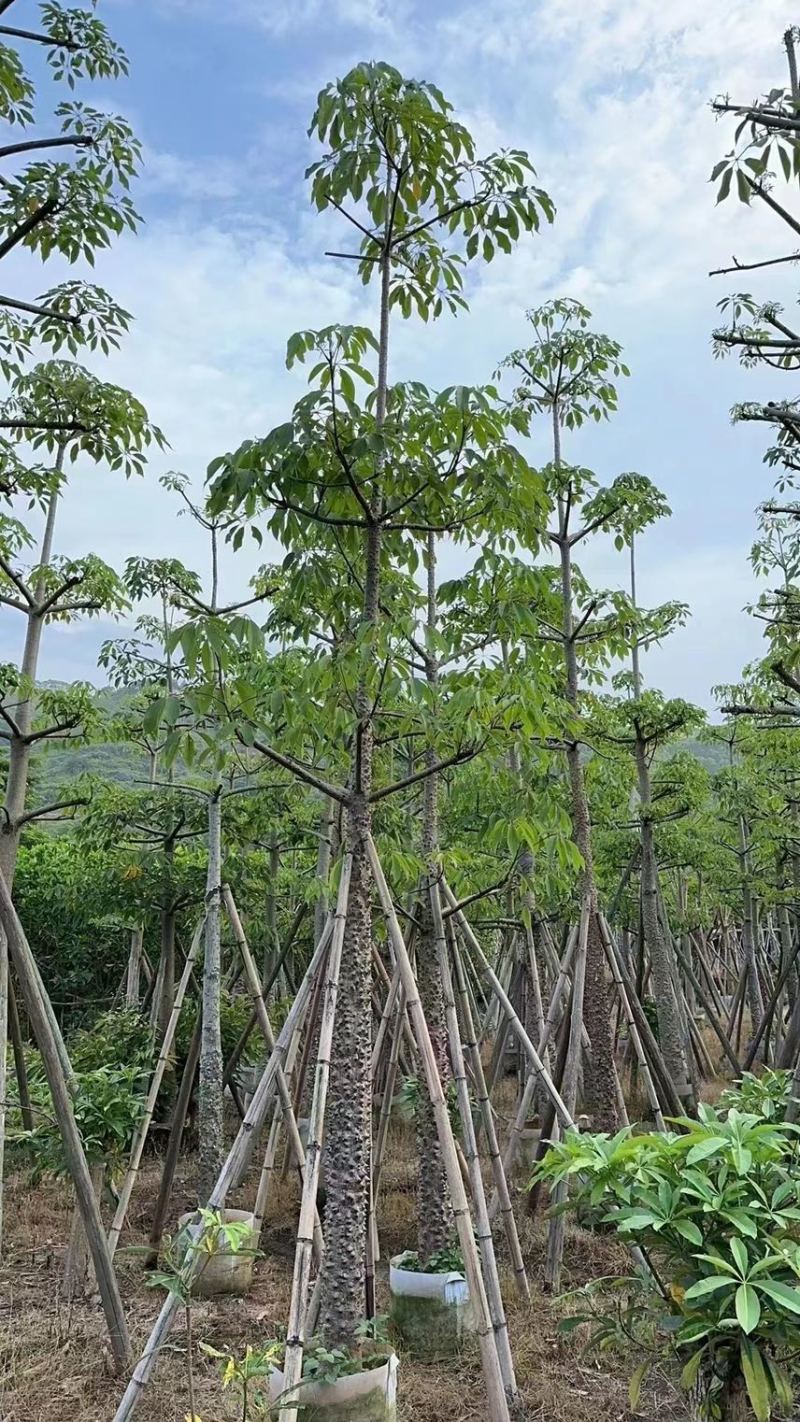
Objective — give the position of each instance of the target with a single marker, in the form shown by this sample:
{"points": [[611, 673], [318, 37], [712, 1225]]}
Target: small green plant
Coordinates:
{"points": [[180, 1269], [715, 1211], [766, 1095], [448, 1260], [407, 1101], [246, 1375]]}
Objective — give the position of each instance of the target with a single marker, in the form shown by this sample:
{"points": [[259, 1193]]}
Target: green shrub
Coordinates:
{"points": [[715, 1210]]}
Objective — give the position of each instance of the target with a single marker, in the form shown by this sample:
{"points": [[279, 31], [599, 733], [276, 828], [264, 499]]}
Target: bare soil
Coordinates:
{"points": [[54, 1362]]}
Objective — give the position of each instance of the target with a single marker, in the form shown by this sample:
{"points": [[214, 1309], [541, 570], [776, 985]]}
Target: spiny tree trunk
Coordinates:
{"points": [[599, 1082], [434, 1216], [754, 999], [348, 1133], [670, 1029], [211, 1141]]}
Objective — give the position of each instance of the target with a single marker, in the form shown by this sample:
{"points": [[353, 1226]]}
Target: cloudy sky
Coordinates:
{"points": [[610, 100]]}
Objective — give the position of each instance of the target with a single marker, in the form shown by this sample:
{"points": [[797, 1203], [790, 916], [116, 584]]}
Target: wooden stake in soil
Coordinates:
{"points": [[293, 1362], [498, 1402], [73, 1147]]}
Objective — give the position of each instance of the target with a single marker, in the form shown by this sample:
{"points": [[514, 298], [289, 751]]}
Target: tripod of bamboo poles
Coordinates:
{"points": [[61, 1084], [480, 1267]]}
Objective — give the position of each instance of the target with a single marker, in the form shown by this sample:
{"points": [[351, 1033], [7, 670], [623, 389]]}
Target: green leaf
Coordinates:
{"points": [[748, 1307], [635, 1384], [758, 1388], [691, 1369], [712, 1146], [689, 1230], [782, 1294], [708, 1286], [739, 1252]]}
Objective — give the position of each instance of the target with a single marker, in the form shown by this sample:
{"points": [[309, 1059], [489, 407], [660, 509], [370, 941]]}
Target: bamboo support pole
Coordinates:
{"points": [[293, 1362], [633, 1031], [569, 1090], [284, 1094], [137, 1149], [386, 1114], [496, 1395], [483, 1229], [487, 1115], [229, 1177], [527, 1045], [59, 1084]]}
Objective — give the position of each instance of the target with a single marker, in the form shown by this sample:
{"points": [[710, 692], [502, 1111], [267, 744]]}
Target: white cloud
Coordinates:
{"points": [[611, 100]]}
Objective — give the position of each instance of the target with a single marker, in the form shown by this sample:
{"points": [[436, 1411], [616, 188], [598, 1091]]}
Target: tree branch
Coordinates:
{"points": [[456, 759], [289, 763]]}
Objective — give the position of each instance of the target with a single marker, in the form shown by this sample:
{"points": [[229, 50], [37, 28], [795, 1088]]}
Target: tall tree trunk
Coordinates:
{"points": [[670, 1031], [211, 1142], [599, 1077], [433, 1207], [348, 1133], [755, 1000], [78, 1272]]}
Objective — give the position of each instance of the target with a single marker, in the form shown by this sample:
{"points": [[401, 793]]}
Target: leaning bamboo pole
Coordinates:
{"points": [[137, 1149], [229, 1177], [58, 1082], [633, 1031], [513, 1020], [483, 1229], [487, 1116], [554, 1253], [293, 1360], [254, 986], [498, 1402], [386, 1115]]}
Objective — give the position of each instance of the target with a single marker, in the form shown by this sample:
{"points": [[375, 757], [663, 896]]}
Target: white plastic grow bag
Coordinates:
{"points": [[340, 1394], [227, 1271]]}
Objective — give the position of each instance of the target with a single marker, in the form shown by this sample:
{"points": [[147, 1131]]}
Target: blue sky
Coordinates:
{"points": [[610, 100]]}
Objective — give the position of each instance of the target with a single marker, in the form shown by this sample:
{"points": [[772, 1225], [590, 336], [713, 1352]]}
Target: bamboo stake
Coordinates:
{"points": [[172, 1156], [485, 1108], [57, 1081], [229, 1177], [513, 1020], [633, 1030], [386, 1114], [273, 1141], [293, 1361], [254, 985], [483, 1229], [498, 1402], [569, 1091], [137, 1149]]}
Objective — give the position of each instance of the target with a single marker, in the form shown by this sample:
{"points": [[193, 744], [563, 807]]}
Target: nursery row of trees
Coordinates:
{"points": [[478, 756]]}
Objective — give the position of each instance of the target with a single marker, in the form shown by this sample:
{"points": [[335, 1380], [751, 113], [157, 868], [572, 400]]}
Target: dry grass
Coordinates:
{"points": [[54, 1362]]}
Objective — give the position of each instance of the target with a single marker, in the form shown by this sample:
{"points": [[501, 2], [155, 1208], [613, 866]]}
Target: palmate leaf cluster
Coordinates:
{"points": [[408, 177], [715, 1208]]}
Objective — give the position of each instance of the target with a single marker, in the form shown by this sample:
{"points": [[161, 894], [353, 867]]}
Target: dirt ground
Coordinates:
{"points": [[54, 1362]]}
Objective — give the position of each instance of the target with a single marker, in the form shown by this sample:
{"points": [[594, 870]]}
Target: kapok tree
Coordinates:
{"points": [[568, 375], [405, 175], [64, 192]]}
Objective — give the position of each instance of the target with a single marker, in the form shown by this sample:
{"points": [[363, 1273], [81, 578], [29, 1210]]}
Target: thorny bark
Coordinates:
{"points": [[348, 1133], [211, 1140], [433, 1205], [755, 1000], [599, 1083], [670, 1029]]}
